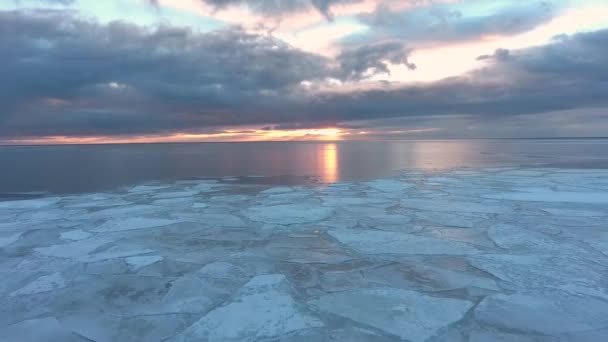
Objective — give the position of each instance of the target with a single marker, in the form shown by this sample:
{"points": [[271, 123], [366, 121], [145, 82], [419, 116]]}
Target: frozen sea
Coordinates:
{"points": [[487, 244]]}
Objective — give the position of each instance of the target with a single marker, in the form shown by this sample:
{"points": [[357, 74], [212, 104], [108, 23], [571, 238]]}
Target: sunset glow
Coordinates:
{"points": [[321, 134], [143, 71], [304, 170]]}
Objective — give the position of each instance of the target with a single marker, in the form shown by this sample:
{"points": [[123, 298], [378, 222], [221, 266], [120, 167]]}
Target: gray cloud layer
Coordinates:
{"points": [[276, 7], [68, 76], [441, 22], [357, 62]]}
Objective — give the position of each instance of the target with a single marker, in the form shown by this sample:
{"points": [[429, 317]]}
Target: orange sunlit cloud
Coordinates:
{"points": [[328, 134], [317, 134]]}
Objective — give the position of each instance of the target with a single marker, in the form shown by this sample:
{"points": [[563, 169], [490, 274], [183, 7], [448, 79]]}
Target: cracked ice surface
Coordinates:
{"points": [[502, 254], [407, 314], [263, 308]]}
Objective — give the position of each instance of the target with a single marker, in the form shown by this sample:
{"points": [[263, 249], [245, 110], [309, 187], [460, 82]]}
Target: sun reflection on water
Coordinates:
{"points": [[328, 163]]}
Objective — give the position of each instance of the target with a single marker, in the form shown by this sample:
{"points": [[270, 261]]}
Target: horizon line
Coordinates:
{"points": [[300, 141]]}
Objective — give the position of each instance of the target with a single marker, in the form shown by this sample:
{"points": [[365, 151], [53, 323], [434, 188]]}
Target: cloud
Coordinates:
{"points": [[499, 54], [55, 55], [281, 7], [567, 74], [370, 59], [63, 2], [459, 21], [64, 75]]}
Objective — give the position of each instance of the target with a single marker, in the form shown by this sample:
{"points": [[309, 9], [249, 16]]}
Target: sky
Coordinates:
{"points": [[119, 71]]}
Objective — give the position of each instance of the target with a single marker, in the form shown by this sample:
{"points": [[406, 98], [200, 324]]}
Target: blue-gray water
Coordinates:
{"points": [[88, 168]]}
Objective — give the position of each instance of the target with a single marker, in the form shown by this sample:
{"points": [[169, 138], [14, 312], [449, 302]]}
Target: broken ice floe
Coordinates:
{"points": [[502, 254], [262, 309], [410, 315]]}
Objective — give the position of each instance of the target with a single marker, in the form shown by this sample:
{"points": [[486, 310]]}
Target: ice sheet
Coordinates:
{"points": [[459, 255]]}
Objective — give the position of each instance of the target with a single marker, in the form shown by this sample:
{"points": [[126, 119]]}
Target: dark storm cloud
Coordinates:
{"points": [[67, 76], [441, 22]]}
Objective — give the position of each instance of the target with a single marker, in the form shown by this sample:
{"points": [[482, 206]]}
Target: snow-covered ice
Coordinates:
{"points": [[379, 242], [502, 254], [43, 284], [73, 250], [137, 262], [547, 195], [263, 308], [388, 185], [8, 238], [29, 204], [288, 213], [77, 234], [410, 315], [132, 223], [33, 330], [547, 315]]}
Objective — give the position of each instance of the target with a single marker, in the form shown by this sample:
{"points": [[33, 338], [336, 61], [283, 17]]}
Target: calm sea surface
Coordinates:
{"points": [[89, 168]]}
